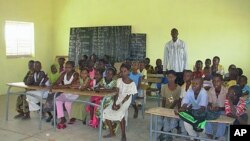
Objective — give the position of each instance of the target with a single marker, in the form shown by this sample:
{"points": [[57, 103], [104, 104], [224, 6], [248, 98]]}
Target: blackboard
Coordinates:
{"points": [[105, 40], [137, 46]]}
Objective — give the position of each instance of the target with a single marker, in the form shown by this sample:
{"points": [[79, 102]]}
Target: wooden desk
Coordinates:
{"points": [[155, 75], [159, 111], [22, 85], [84, 93]]}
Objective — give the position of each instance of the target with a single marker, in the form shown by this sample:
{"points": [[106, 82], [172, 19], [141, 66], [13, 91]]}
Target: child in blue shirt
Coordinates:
{"points": [[242, 82], [136, 77]]}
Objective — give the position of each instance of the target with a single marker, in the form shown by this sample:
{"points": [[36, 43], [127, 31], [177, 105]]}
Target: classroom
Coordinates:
{"points": [[209, 28]]}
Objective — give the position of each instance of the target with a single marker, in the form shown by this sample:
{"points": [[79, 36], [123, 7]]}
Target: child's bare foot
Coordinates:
{"points": [[109, 136]]}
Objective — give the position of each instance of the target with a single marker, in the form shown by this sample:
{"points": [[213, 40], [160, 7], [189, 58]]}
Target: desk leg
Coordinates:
{"points": [[159, 99], [41, 112], [7, 103], [156, 127], [151, 127], [54, 116], [228, 133], [101, 119]]}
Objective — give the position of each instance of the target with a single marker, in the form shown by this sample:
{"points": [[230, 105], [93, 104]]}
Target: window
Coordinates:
{"points": [[19, 38]]}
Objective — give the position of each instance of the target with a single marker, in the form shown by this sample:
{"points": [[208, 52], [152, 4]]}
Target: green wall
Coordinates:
{"points": [[209, 27], [39, 12]]}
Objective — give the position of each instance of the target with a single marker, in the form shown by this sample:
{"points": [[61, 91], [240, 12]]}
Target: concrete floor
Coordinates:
{"points": [[18, 130]]}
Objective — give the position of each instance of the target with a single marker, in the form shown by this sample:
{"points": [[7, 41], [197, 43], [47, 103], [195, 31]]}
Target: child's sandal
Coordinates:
{"points": [[72, 121], [61, 126]]}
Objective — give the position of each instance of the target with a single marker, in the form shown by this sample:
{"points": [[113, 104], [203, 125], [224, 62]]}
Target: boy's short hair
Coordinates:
{"points": [[72, 63], [100, 71], [217, 57], [85, 69], [31, 61], [171, 72], [240, 71], [37, 62], [126, 65], [187, 71], [112, 69], [243, 77], [219, 76]]}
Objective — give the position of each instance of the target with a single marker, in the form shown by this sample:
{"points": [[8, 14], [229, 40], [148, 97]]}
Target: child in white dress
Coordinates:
{"points": [[116, 111]]}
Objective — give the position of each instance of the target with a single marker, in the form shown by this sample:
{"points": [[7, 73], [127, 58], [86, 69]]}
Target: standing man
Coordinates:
{"points": [[175, 56]]}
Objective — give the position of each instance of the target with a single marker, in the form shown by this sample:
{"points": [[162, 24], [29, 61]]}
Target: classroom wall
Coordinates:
{"points": [[39, 12], [209, 27]]}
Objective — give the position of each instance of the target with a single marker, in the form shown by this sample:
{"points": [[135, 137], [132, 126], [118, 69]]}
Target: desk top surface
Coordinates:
{"points": [[85, 92], [71, 91], [22, 85], [159, 111], [155, 75]]}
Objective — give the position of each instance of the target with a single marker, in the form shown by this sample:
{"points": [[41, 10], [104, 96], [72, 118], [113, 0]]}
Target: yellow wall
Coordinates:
{"points": [[37, 11], [209, 27]]}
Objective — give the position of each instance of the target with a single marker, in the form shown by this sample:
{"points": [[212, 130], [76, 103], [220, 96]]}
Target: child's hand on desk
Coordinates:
{"points": [[176, 112], [181, 109]]}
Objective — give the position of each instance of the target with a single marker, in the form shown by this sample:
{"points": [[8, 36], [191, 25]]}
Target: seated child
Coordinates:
{"points": [[107, 84], [22, 106], [216, 97], [102, 66], [216, 66], [148, 67], [208, 62], [60, 65], [207, 78], [170, 97], [78, 109], [92, 69], [136, 77], [66, 79], [197, 100], [233, 76], [187, 77], [39, 79], [117, 110], [242, 82], [94, 122], [53, 77], [240, 71], [246, 91], [158, 67], [159, 70], [198, 72], [226, 76], [143, 72], [235, 105]]}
